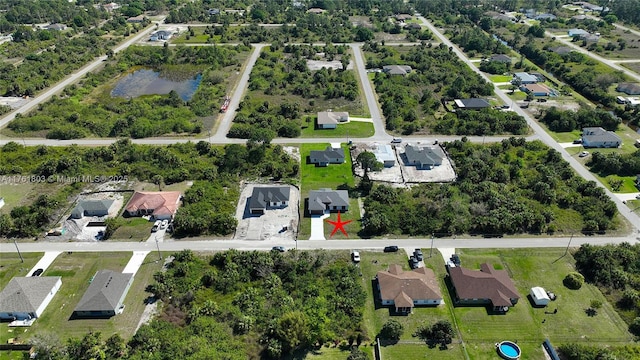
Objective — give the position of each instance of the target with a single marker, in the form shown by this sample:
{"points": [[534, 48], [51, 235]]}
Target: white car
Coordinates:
{"points": [[164, 224], [355, 256], [156, 226], [584, 154]]}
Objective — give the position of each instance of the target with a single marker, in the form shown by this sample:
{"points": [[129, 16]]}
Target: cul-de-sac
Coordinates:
{"points": [[319, 179]]}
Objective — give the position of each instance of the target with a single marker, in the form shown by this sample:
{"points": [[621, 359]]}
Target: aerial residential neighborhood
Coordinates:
{"points": [[314, 179]]}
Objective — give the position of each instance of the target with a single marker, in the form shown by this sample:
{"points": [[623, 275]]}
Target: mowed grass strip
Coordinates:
{"points": [[11, 265], [77, 269], [314, 177], [352, 129]]}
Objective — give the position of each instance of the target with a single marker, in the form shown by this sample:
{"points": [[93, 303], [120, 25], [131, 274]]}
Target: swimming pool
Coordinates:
{"points": [[508, 350]]}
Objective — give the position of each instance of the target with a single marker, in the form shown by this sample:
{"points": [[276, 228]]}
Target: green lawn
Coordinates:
{"points": [[76, 270], [352, 129], [13, 194], [313, 178], [500, 78], [133, 229], [628, 183], [11, 266], [333, 353]]}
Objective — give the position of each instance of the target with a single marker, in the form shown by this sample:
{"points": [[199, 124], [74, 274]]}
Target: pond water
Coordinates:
{"points": [[151, 82]]}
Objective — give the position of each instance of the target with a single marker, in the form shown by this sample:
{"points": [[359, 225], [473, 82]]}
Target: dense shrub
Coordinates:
{"points": [[573, 280]]}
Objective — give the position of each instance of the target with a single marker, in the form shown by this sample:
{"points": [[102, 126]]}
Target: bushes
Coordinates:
{"points": [[573, 280], [391, 330]]}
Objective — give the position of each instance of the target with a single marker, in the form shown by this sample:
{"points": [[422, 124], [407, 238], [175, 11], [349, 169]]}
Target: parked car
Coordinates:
{"points": [[163, 224], [391, 248], [413, 262], [455, 259], [418, 254], [278, 249], [396, 140], [577, 141], [355, 256], [584, 154], [37, 272], [156, 226]]}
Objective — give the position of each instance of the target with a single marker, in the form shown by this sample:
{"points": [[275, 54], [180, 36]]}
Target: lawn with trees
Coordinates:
{"points": [[511, 187], [282, 89], [90, 110], [209, 206]]}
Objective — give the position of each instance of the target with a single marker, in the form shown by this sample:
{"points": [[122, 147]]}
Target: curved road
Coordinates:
{"points": [[544, 136]]}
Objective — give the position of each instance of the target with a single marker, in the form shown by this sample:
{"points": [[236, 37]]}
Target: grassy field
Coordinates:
{"points": [[76, 270], [330, 353], [11, 266], [500, 78], [628, 183], [332, 176], [352, 129], [632, 66], [13, 195]]}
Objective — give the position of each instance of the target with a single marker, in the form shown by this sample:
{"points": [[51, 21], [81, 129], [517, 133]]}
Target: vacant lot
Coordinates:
{"points": [[351, 129], [76, 270]]}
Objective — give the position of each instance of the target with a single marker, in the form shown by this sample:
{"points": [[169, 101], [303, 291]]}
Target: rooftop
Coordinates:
{"points": [[26, 294], [105, 291], [486, 283]]}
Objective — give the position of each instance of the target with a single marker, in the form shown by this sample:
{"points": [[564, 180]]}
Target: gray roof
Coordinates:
{"points": [[26, 294], [262, 196], [427, 155], [629, 88], [331, 117], [561, 50], [327, 154], [598, 134], [500, 58], [474, 103], [318, 199], [396, 69], [105, 291], [93, 205]]}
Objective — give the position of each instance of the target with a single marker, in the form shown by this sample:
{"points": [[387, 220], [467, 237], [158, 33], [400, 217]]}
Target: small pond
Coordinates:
{"points": [[151, 82]]}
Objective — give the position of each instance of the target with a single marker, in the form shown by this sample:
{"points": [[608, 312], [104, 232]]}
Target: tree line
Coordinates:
{"points": [[510, 187], [566, 120]]}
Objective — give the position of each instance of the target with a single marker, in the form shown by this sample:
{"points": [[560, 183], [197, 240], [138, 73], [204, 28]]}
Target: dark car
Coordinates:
{"points": [[37, 272], [455, 259], [391, 248], [418, 254], [413, 262], [278, 248], [577, 141]]}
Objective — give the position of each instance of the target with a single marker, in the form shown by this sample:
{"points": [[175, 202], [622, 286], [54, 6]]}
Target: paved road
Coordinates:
{"points": [[208, 245], [372, 102], [40, 98], [610, 63], [224, 125], [543, 135]]}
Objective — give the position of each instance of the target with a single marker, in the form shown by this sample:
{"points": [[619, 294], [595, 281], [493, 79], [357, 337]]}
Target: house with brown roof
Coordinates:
{"points": [[405, 289], [486, 286], [160, 205]]}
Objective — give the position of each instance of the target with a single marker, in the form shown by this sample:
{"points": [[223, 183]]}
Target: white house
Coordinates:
{"points": [[25, 298], [597, 137], [385, 155], [539, 296]]}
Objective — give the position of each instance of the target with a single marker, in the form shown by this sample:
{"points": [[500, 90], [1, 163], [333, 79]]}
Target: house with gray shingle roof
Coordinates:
{"points": [[25, 298], [330, 155], [105, 296], [597, 137], [406, 289], [91, 208], [629, 88], [396, 69], [502, 58], [327, 200], [330, 119], [471, 104], [264, 198], [561, 50], [424, 157]]}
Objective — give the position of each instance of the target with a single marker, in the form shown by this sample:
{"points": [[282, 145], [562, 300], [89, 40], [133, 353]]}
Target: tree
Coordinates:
{"points": [[391, 330], [47, 345], [368, 162], [357, 354], [439, 333], [573, 280], [634, 328], [293, 330], [158, 180]]}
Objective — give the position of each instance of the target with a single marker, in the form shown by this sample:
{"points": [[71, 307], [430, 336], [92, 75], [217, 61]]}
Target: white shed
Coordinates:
{"points": [[539, 296]]}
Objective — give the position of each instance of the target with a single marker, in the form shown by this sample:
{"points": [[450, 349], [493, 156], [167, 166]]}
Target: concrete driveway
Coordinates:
{"points": [[135, 262], [45, 261], [317, 227]]}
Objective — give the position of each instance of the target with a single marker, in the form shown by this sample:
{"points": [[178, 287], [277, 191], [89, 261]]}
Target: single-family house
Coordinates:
{"points": [[136, 19], [330, 119], [91, 208], [597, 137], [403, 17], [580, 17], [591, 7], [161, 35], [327, 200], [502, 58], [413, 26], [524, 78], [316, 11], [503, 17], [424, 157], [561, 50], [590, 38], [577, 32], [396, 69], [160, 205], [385, 155], [536, 89], [105, 295], [539, 296], [530, 13], [272, 197], [471, 104], [629, 88], [56, 27], [330, 155], [486, 286], [110, 6], [25, 298], [545, 16], [405, 289]]}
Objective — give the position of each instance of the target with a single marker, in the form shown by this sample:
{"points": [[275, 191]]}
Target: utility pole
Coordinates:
{"points": [[19, 254], [569, 244], [158, 247]]}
